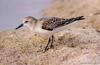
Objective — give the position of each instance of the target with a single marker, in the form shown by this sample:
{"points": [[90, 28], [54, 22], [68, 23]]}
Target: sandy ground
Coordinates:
{"points": [[79, 44]]}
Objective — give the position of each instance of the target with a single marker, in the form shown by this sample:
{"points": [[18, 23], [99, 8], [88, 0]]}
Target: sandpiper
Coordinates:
{"points": [[48, 26]]}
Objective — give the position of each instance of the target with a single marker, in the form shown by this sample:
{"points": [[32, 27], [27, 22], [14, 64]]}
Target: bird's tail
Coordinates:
{"points": [[68, 21]]}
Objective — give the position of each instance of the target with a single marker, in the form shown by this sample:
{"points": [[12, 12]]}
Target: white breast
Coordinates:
{"points": [[38, 29]]}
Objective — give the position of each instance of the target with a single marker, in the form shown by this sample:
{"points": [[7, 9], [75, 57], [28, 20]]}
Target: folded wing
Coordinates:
{"points": [[53, 22]]}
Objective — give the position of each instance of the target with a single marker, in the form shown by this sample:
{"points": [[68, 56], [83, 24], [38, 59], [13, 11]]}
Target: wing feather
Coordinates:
{"points": [[54, 22]]}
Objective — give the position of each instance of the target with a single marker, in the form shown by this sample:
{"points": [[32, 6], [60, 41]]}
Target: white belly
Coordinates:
{"points": [[39, 30]]}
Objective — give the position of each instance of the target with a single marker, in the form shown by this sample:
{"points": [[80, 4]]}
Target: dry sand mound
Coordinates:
{"points": [[79, 44]]}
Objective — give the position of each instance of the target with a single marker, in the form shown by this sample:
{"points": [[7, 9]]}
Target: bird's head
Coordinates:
{"points": [[28, 21]]}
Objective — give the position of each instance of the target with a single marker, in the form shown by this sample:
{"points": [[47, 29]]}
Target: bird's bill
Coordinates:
{"points": [[21, 25]]}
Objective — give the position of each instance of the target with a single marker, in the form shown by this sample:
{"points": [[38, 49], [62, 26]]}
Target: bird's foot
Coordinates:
{"points": [[52, 46], [45, 49]]}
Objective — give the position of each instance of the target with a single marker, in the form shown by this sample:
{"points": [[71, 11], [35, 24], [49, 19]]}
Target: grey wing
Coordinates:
{"points": [[53, 22]]}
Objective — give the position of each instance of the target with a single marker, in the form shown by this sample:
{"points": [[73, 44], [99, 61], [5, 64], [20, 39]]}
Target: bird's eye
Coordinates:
{"points": [[26, 21]]}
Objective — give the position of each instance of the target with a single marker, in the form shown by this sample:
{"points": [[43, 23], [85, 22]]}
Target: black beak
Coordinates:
{"points": [[21, 25]]}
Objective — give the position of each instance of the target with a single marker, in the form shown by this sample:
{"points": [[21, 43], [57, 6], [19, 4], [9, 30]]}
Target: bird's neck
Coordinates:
{"points": [[32, 27]]}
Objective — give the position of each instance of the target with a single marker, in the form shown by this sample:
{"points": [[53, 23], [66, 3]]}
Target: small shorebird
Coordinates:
{"points": [[48, 26]]}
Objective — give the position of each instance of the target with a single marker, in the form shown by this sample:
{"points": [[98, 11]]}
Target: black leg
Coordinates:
{"points": [[46, 48], [50, 43], [51, 46]]}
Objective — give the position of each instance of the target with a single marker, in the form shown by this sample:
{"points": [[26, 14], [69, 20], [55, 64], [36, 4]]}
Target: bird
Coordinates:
{"points": [[48, 26]]}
